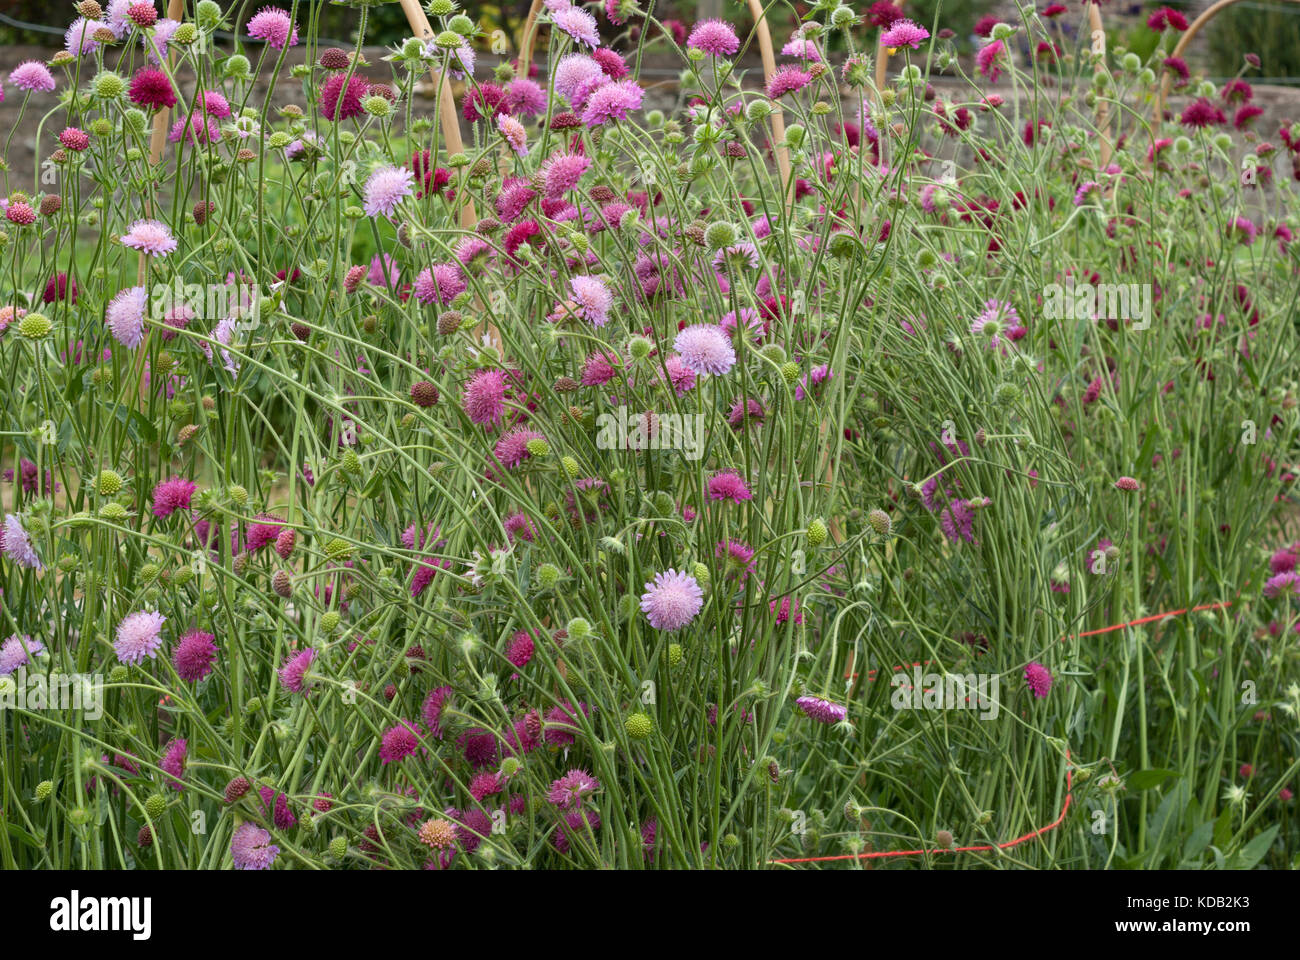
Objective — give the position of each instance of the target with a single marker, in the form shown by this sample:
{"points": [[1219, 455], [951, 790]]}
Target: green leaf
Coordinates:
{"points": [[1223, 828], [1146, 779], [1248, 856]]}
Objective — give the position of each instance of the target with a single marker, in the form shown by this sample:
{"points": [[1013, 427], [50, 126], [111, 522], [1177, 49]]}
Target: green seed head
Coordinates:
{"points": [[537, 448], [337, 548], [638, 725], [154, 805], [721, 234], [880, 522], [35, 326], [578, 628], [548, 574], [113, 512], [640, 347], [238, 495], [461, 24], [675, 654], [43, 790], [185, 34], [339, 847], [108, 483], [701, 573], [571, 466], [108, 85], [329, 621], [253, 705], [377, 106], [816, 533], [790, 372]]}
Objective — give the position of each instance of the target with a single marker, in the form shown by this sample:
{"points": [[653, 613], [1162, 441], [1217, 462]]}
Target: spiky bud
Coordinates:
{"points": [[880, 522], [282, 584], [816, 533], [449, 322], [638, 725], [154, 805]]}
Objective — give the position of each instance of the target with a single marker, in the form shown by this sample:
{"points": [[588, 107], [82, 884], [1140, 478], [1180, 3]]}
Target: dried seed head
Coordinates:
{"points": [[424, 393], [236, 788], [282, 584], [449, 322]]}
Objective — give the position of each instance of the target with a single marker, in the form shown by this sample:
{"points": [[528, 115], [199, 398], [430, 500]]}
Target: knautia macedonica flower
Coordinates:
{"points": [[577, 76], [990, 59], [513, 132], [1038, 678], [577, 23], [273, 25], [440, 283], [728, 485], [571, 789], [139, 636], [125, 316], [613, 101], [715, 38], [484, 399], [787, 79], [32, 76], [17, 651], [194, 655], [435, 705], [823, 711], [293, 674], [561, 173], [592, 298], [672, 600], [705, 348], [386, 188], [173, 762], [151, 236], [17, 544], [172, 495], [1127, 484], [904, 33], [251, 848]]}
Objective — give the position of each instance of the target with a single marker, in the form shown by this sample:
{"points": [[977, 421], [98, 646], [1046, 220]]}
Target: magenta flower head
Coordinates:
{"points": [[172, 495], [32, 76], [124, 316], [613, 101], [293, 675], [705, 348], [904, 33], [194, 655], [399, 742], [990, 59], [252, 849], [593, 299], [1039, 679], [671, 600], [823, 711], [484, 399], [513, 132], [139, 635], [562, 172], [1127, 484], [787, 79], [150, 236], [571, 789], [173, 762], [440, 283], [728, 485], [17, 544], [714, 37], [386, 188], [274, 26], [436, 704]]}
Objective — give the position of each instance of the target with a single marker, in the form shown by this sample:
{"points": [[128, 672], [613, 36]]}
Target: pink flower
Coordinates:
{"points": [[823, 711], [32, 76], [512, 449], [275, 26], [1039, 679], [571, 789], [399, 742], [577, 76], [293, 675], [434, 706], [125, 316], [787, 79], [593, 299], [173, 762], [578, 24], [990, 59], [251, 848], [1127, 484], [194, 655], [386, 188], [514, 133], [172, 495], [484, 399], [139, 636], [714, 37], [671, 600], [728, 485], [904, 33], [562, 172], [151, 236], [705, 348], [441, 283], [613, 101]]}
